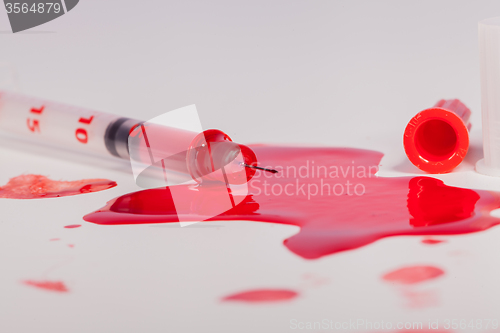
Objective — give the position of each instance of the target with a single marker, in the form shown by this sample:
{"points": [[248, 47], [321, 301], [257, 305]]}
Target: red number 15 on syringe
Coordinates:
{"points": [[81, 133]]}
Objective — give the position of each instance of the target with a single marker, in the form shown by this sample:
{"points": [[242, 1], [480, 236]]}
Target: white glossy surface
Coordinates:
{"points": [[335, 73]]}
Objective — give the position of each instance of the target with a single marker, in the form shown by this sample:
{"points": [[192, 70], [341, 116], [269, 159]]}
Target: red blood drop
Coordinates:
{"points": [[72, 226], [262, 295], [413, 274], [56, 286], [432, 241]]}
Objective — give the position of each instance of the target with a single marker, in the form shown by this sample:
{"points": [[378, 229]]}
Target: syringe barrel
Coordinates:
{"points": [[53, 123], [88, 131], [94, 132], [83, 130]]}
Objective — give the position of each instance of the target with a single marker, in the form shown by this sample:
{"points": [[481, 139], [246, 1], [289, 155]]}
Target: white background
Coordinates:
{"points": [[336, 73]]}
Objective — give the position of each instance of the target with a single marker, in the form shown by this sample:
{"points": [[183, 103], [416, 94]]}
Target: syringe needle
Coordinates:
{"points": [[260, 168]]}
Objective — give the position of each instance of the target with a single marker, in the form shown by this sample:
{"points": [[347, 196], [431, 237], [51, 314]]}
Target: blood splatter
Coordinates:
{"points": [[262, 295], [413, 274], [432, 241], [72, 226], [332, 194], [56, 286], [37, 186]]}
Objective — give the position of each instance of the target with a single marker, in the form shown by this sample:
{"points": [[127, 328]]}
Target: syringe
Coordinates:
{"points": [[78, 129]]}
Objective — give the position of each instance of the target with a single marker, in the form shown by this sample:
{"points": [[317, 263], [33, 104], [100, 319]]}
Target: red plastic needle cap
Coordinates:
{"points": [[436, 140]]}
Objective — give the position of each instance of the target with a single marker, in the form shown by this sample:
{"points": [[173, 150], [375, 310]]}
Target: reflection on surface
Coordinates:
{"points": [[430, 202]]}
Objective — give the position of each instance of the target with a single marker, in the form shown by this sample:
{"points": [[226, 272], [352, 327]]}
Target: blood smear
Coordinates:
{"points": [[332, 194], [432, 241], [262, 295], [38, 186], [413, 274], [56, 286], [72, 226]]}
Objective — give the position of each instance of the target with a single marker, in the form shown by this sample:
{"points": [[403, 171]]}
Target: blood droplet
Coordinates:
{"points": [[262, 295], [413, 274], [56, 286]]}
